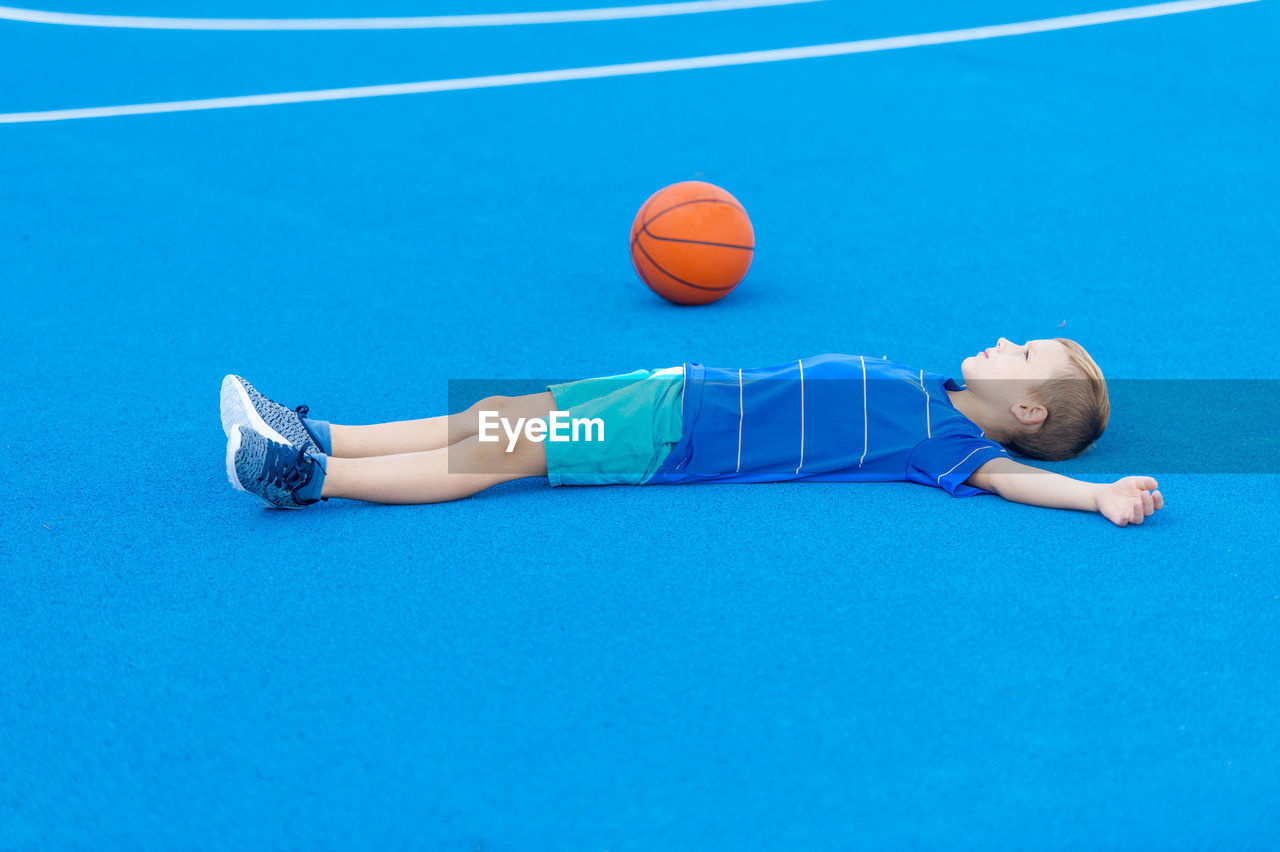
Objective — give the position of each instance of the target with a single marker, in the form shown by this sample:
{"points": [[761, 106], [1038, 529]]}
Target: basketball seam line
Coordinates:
{"points": [[664, 212], [645, 230], [636, 234], [658, 267]]}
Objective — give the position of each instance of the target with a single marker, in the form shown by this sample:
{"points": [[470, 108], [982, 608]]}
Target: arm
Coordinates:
{"points": [[1125, 501]]}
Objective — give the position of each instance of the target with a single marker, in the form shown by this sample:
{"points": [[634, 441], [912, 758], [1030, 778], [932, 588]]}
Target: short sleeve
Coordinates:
{"points": [[946, 461]]}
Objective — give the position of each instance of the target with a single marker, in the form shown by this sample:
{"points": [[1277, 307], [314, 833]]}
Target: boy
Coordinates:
{"points": [[827, 418]]}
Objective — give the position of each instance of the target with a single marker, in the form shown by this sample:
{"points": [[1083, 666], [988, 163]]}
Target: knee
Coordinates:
{"points": [[491, 403], [490, 406]]}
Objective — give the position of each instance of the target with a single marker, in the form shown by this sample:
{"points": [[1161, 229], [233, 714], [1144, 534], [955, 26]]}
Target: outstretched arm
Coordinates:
{"points": [[1126, 501]]}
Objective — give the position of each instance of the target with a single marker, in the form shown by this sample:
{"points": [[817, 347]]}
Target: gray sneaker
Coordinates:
{"points": [[243, 406], [279, 475]]}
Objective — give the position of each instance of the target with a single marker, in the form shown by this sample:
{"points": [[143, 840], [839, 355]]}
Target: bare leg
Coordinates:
{"points": [[425, 478], [414, 436]]}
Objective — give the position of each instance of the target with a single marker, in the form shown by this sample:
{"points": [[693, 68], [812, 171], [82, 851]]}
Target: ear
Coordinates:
{"points": [[1029, 414]]}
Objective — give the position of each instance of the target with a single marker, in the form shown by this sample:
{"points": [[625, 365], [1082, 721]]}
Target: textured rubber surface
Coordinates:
{"points": [[686, 668]]}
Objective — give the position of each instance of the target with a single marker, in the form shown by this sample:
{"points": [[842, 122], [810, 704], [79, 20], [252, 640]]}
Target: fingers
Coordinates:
{"points": [[1126, 503], [1140, 483], [1139, 509]]}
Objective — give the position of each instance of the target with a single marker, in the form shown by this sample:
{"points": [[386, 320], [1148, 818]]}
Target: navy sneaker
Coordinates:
{"points": [[279, 475], [243, 406]]}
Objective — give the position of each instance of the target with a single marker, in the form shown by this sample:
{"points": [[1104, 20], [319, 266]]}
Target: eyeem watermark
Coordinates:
{"points": [[558, 426], [1157, 426]]}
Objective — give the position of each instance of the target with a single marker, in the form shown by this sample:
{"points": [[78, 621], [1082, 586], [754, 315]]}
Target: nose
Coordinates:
{"points": [[1002, 343]]}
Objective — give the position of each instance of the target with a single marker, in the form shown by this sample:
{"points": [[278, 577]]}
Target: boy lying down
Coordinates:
{"points": [[829, 418]]}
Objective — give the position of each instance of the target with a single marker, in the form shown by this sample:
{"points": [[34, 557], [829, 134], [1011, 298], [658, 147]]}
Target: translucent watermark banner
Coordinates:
{"points": [[619, 428], [1207, 426], [628, 424]]}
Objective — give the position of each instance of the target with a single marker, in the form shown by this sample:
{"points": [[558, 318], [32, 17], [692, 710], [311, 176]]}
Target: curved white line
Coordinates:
{"points": [[634, 68], [655, 10]]}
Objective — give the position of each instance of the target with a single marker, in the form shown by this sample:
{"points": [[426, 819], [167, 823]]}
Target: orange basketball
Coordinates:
{"points": [[692, 243]]}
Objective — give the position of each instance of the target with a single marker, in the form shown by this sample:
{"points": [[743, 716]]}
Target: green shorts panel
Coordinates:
{"points": [[639, 413]]}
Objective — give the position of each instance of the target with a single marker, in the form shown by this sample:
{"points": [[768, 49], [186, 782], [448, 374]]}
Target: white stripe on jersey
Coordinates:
{"points": [[927, 428], [864, 410], [739, 467], [962, 461], [801, 363]]}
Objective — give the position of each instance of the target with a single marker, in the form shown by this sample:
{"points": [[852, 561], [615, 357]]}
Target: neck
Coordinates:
{"points": [[971, 407]]}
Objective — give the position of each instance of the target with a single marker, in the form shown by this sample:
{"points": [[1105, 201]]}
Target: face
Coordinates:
{"points": [[1004, 374]]}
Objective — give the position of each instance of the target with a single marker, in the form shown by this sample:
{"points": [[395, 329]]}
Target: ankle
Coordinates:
{"points": [[313, 489], [321, 433], [332, 477]]}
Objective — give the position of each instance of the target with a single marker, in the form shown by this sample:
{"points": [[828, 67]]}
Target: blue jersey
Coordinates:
{"points": [[831, 418]]}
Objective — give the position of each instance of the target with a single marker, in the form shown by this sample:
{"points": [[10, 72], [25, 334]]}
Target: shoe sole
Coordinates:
{"points": [[233, 447], [238, 410]]}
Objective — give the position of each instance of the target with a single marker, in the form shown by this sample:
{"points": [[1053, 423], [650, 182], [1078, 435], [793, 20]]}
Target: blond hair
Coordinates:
{"points": [[1078, 408]]}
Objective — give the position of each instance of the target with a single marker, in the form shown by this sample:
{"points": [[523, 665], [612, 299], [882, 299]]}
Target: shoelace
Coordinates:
{"points": [[283, 468], [302, 410]]}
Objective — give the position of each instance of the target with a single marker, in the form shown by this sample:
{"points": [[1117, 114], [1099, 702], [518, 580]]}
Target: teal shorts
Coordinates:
{"points": [[639, 414]]}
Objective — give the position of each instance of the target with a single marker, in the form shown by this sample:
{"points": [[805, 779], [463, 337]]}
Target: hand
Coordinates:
{"points": [[1129, 500]]}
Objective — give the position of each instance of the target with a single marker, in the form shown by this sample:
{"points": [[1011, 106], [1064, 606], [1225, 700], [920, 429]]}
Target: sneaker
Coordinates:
{"points": [[273, 472], [243, 406]]}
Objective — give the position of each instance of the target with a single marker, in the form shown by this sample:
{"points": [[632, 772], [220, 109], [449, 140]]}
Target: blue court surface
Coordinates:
{"points": [[784, 666]]}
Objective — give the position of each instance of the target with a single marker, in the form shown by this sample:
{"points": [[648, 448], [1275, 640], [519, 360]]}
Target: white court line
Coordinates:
{"points": [[507, 19], [634, 68]]}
